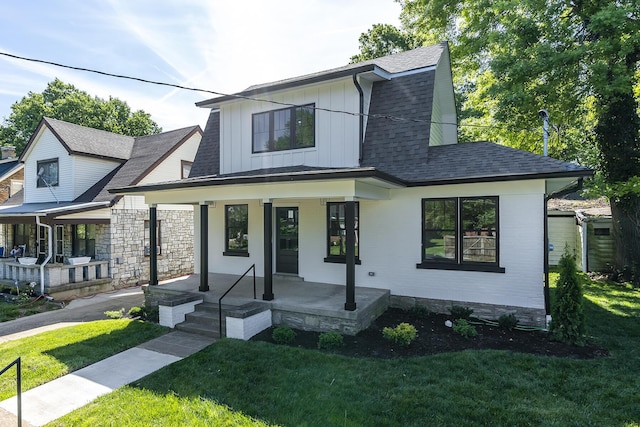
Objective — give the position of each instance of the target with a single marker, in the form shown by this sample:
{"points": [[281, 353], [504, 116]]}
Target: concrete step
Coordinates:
{"points": [[206, 318], [194, 328]]}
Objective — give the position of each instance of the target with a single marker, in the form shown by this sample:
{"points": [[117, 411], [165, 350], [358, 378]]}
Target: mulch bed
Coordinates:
{"points": [[435, 337]]}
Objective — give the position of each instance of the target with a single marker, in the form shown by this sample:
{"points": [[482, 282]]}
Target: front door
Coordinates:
{"points": [[287, 240]]}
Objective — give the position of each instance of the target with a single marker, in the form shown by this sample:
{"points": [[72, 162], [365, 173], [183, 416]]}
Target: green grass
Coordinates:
{"points": [[10, 311], [51, 354], [232, 380]]}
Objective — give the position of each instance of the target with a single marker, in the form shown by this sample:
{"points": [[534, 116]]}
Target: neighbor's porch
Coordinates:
{"points": [[296, 303]]}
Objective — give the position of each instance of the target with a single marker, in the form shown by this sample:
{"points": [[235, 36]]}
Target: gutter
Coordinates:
{"points": [[49, 254], [361, 117]]}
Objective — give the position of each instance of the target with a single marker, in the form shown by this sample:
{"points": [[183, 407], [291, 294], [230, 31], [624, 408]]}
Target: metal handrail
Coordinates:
{"points": [[229, 290], [18, 385]]}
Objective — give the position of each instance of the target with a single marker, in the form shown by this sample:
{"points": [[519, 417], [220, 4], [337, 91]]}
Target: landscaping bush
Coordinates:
{"points": [[136, 312], [508, 321], [567, 316], [283, 335], [330, 341], [115, 314], [403, 334], [419, 311], [460, 312], [463, 328]]}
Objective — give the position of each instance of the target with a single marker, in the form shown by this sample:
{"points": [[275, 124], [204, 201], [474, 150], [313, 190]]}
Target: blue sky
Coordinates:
{"points": [[220, 45]]}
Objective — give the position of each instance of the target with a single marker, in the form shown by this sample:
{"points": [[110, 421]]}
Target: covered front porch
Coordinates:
{"points": [[296, 303]]}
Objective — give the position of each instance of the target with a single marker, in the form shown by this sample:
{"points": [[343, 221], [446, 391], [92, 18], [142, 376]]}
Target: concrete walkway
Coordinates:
{"points": [[52, 400]]}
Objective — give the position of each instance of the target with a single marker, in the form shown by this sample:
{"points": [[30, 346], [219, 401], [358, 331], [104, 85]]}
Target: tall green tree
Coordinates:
{"points": [[579, 60], [64, 101]]}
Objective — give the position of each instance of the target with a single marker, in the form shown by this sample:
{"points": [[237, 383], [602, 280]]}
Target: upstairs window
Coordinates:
{"points": [[285, 129], [186, 169], [47, 173], [460, 233]]}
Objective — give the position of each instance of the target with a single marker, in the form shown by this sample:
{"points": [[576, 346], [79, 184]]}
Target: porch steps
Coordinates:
{"points": [[205, 320]]}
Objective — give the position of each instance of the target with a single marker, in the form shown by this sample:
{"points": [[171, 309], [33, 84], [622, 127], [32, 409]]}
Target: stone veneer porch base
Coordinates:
{"points": [[525, 315]]}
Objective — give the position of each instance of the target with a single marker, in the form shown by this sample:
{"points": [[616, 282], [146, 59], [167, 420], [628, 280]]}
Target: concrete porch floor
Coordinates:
{"points": [[296, 303]]}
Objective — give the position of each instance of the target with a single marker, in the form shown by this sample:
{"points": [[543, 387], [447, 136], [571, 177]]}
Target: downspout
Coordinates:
{"points": [[361, 117], [547, 301], [49, 255]]}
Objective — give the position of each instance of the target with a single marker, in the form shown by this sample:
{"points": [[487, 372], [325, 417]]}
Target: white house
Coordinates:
{"points": [[74, 234], [353, 176]]}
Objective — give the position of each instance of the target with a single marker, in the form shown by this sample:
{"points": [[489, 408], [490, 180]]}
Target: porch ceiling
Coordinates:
{"points": [[348, 188]]}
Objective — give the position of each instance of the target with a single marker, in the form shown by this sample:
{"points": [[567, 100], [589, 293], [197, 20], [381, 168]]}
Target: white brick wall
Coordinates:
{"points": [[246, 328], [171, 316]]}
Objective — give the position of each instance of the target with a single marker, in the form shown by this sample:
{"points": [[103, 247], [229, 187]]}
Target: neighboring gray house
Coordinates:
{"points": [[74, 234], [354, 177]]}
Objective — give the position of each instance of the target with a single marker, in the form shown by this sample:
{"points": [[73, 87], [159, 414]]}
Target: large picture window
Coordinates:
{"points": [[284, 129], [236, 230], [47, 173], [336, 233], [84, 240], [460, 233]]}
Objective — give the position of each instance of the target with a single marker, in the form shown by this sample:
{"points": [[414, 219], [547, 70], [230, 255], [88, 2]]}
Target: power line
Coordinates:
{"points": [[249, 98]]}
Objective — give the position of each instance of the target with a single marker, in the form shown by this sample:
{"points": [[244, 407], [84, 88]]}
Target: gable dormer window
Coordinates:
{"points": [[284, 129], [47, 173]]}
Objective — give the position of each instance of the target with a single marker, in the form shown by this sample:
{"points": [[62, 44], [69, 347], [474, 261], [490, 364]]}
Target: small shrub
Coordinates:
{"points": [[136, 312], [463, 328], [419, 311], [283, 335], [330, 341], [508, 321], [460, 312], [403, 334], [152, 314], [115, 314]]}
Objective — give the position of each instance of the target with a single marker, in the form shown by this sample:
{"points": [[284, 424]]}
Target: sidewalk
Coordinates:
{"points": [[52, 400]]}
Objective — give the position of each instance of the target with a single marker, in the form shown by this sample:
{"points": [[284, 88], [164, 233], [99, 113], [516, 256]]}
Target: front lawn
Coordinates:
{"points": [[52, 354], [254, 383]]}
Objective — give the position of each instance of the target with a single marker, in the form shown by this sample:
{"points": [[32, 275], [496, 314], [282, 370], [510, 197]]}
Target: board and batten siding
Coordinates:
{"points": [[336, 134], [563, 232], [390, 245], [444, 129]]}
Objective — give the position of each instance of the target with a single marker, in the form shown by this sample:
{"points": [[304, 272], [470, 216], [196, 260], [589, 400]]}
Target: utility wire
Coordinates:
{"points": [[249, 98]]}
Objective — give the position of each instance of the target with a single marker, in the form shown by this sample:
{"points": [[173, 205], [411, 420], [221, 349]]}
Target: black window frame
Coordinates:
{"points": [[341, 258], [147, 237], [293, 140], [458, 262], [244, 230], [45, 164], [88, 242]]}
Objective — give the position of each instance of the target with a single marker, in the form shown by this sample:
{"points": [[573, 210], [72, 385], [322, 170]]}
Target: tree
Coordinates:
{"points": [[579, 60], [65, 102], [567, 315], [382, 40]]}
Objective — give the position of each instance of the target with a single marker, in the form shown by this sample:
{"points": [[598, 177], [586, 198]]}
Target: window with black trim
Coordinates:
{"points": [[284, 129], [84, 240], [236, 230], [185, 169], [336, 233], [47, 173], [147, 239], [460, 233]]}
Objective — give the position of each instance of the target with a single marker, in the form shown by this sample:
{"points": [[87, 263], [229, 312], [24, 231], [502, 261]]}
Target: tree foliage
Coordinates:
{"points": [[64, 101], [382, 40], [567, 315], [579, 60]]}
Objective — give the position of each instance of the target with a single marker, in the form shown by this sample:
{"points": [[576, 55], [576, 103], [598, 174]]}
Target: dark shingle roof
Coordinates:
{"points": [[484, 162], [207, 161], [93, 142], [397, 63], [396, 146], [147, 152], [7, 166]]}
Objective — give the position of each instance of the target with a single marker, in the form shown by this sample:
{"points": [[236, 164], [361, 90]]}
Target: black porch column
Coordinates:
{"points": [[350, 253], [268, 252], [204, 247], [153, 254]]}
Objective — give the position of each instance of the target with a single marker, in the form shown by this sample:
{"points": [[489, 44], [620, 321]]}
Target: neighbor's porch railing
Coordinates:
{"points": [[55, 274], [18, 365]]}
